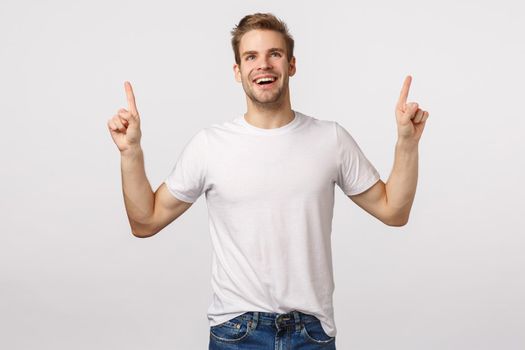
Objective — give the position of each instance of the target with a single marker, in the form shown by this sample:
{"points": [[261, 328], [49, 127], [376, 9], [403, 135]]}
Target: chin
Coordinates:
{"points": [[268, 103]]}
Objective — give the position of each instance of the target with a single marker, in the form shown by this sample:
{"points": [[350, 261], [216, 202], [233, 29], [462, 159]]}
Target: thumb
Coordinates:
{"points": [[127, 117], [410, 111]]}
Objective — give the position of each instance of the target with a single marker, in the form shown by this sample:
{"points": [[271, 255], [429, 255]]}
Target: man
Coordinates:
{"points": [[269, 180]]}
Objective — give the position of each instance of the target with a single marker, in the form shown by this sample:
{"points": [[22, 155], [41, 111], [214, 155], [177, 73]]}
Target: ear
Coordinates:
{"points": [[291, 67], [237, 72]]}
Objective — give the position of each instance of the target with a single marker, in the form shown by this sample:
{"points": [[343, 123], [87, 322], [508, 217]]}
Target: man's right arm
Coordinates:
{"points": [[148, 212]]}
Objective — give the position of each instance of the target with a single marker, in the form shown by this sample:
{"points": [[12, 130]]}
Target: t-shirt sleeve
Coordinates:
{"points": [[355, 173], [187, 179]]}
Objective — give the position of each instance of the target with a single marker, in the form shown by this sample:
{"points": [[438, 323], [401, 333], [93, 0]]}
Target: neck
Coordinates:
{"points": [[269, 116]]}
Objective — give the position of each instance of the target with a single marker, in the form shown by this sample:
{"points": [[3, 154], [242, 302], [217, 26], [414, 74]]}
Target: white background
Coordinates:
{"points": [[72, 276]]}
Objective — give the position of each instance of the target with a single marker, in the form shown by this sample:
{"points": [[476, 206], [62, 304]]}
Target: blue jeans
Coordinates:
{"points": [[270, 331]]}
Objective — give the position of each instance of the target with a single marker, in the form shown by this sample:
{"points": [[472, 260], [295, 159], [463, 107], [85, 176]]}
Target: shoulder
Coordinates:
{"points": [[316, 122]]}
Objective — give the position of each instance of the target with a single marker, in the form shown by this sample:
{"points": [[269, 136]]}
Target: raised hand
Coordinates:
{"points": [[410, 118], [125, 125]]}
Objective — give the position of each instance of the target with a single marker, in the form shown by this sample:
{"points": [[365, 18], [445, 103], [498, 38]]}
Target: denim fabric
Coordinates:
{"points": [[270, 331]]}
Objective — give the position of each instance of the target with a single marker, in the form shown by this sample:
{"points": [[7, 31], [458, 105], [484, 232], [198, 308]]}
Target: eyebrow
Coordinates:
{"points": [[273, 49]]}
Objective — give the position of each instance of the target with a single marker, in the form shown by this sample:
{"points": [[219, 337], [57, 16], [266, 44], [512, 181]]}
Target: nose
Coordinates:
{"points": [[264, 63]]}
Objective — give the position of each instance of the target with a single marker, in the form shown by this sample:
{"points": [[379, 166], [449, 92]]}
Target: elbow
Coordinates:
{"points": [[142, 233], [396, 221], [138, 235]]}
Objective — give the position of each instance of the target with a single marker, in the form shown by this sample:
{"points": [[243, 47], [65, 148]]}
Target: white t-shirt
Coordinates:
{"points": [[270, 198]]}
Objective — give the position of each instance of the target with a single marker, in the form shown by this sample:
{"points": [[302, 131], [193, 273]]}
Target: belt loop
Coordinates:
{"points": [[297, 321], [255, 319]]}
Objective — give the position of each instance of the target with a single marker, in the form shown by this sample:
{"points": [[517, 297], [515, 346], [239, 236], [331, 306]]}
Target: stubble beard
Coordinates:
{"points": [[273, 102]]}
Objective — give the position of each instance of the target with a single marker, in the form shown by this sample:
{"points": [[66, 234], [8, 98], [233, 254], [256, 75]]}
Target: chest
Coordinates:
{"points": [[266, 170]]}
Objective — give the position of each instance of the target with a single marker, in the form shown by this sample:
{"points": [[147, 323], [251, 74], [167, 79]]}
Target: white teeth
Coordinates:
{"points": [[264, 79]]}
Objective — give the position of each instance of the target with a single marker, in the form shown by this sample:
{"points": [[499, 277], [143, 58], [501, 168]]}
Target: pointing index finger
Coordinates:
{"points": [[404, 92], [131, 98]]}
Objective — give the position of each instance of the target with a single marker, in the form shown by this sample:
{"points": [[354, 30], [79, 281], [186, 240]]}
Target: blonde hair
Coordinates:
{"points": [[265, 21]]}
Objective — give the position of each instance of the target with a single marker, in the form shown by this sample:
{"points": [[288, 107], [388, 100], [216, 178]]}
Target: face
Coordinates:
{"points": [[263, 55]]}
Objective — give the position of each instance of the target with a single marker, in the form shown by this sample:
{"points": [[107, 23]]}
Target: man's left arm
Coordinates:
{"points": [[391, 202]]}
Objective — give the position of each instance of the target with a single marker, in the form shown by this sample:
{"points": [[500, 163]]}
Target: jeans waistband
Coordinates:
{"points": [[287, 320]]}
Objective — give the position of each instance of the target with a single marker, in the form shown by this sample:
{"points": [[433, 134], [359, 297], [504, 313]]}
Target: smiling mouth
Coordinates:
{"points": [[266, 82]]}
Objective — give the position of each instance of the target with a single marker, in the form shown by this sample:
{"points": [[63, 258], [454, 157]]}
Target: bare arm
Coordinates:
{"points": [[391, 202], [139, 198], [148, 212]]}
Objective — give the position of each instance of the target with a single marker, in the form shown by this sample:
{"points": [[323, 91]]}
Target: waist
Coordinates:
{"points": [[291, 318]]}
